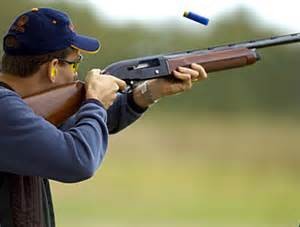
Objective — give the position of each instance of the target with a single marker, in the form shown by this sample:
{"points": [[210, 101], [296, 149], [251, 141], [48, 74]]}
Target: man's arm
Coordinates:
{"points": [[123, 112], [128, 108], [150, 91], [32, 146]]}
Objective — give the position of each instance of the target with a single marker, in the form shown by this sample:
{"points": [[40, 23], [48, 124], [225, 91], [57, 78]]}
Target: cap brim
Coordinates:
{"points": [[86, 44]]}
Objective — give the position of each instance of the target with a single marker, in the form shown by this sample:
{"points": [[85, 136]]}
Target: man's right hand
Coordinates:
{"points": [[102, 87]]}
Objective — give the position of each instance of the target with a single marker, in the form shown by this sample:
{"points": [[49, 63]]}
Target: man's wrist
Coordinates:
{"points": [[93, 100], [147, 93], [134, 106], [144, 96]]}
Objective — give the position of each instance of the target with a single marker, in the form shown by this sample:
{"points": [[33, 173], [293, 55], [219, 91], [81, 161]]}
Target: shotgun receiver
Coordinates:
{"points": [[58, 104]]}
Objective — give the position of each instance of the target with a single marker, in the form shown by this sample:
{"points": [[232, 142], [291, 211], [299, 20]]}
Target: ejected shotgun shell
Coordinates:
{"points": [[196, 17]]}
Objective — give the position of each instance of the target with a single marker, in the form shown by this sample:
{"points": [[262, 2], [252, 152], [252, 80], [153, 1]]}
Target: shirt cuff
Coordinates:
{"points": [[133, 105], [95, 101]]}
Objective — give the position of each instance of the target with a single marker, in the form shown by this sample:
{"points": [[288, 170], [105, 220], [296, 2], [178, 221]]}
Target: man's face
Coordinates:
{"points": [[66, 70]]}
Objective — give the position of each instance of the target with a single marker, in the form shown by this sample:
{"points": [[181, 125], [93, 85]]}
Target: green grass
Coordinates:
{"points": [[204, 172]]}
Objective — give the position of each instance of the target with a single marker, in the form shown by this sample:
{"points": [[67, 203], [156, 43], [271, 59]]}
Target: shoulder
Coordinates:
{"points": [[13, 108], [8, 96]]}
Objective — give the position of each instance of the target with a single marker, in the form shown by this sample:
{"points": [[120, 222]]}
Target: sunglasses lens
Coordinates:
{"points": [[75, 67]]}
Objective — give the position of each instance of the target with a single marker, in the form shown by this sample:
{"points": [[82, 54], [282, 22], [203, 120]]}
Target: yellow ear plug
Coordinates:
{"points": [[53, 72]]}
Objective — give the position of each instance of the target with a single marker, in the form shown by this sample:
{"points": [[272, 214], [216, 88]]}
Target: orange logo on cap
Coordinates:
{"points": [[20, 24]]}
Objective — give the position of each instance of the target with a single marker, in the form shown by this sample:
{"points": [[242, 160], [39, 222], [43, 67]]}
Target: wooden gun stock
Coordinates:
{"points": [[58, 104]]}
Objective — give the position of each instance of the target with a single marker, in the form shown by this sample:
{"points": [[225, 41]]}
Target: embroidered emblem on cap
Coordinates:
{"points": [[20, 24], [11, 42]]}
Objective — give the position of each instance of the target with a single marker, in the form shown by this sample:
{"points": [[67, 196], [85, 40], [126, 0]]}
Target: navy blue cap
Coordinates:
{"points": [[45, 30]]}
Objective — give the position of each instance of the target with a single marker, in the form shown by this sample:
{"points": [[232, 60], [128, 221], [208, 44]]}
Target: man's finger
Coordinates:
{"points": [[192, 72], [116, 87], [200, 69], [181, 76], [97, 70], [121, 83], [91, 74]]}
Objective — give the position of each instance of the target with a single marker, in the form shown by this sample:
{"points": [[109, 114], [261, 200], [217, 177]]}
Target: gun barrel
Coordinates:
{"points": [[261, 43], [214, 59]]}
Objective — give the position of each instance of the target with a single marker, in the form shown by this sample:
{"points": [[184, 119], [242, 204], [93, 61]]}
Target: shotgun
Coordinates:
{"points": [[56, 105]]}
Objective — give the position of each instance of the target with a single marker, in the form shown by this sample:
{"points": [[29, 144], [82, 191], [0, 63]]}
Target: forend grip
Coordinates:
{"points": [[218, 60]]}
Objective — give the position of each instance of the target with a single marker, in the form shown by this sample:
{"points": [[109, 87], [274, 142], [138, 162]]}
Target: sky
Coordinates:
{"points": [[282, 14]]}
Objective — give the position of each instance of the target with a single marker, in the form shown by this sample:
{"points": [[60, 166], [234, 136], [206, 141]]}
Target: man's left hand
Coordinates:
{"points": [[181, 81]]}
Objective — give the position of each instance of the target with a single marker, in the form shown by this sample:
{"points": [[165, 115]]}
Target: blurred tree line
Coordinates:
{"points": [[271, 86]]}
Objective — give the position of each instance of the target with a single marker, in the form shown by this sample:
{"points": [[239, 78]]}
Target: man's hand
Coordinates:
{"points": [[102, 87], [161, 87]]}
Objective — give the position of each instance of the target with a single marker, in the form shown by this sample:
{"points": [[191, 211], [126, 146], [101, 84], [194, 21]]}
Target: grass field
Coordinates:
{"points": [[211, 171]]}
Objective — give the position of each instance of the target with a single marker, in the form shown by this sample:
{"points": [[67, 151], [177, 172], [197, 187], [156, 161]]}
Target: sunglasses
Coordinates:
{"points": [[74, 64]]}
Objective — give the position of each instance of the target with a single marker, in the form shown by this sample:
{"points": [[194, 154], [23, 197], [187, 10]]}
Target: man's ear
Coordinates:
{"points": [[52, 70]]}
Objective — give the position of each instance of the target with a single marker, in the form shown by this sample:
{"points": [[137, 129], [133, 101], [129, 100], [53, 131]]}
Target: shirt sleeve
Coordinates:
{"points": [[123, 113], [31, 146], [120, 115]]}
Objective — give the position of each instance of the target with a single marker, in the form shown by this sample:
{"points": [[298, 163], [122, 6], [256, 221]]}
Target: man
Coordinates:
{"points": [[42, 51]]}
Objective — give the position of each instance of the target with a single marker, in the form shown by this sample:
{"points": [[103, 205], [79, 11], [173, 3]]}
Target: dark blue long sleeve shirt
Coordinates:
{"points": [[31, 146]]}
